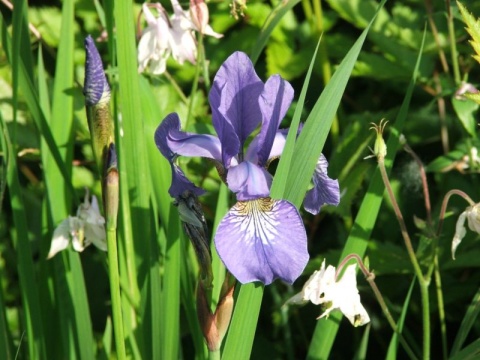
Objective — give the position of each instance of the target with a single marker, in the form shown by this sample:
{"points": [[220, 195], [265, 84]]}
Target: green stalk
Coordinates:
{"points": [[441, 308], [424, 283], [453, 43], [115, 289], [110, 198], [195, 84]]}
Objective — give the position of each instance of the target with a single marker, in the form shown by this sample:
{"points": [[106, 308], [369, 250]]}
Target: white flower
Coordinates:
{"points": [[472, 214], [164, 37], [84, 229], [323, 289]]}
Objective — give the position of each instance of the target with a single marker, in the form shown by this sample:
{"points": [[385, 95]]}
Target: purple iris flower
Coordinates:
{"points": [[260, 238]]}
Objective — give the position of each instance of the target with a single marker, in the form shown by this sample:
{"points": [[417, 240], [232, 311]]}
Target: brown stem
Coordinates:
{"points": [[445, 202]]}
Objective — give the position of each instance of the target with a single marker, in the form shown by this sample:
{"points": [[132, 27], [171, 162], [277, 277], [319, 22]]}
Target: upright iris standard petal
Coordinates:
{"points": [[234, 102], [261, 240], [249, 181], [274, 102], [96, 85], [325, 190]]}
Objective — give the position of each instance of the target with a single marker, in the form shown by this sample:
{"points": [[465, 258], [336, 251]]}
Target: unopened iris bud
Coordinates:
{"points": [[194, 224], [110, 188], [97, 100]]}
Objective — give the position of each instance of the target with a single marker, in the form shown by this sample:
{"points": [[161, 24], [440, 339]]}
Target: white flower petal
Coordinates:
{"points": [[61, 237], [460, 232], [77, 231], [322, 288], [473, 217]]}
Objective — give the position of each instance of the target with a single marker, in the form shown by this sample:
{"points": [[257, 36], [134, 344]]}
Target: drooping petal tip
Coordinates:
{"points": [[262, 240], [325, 190], [96, 87]]}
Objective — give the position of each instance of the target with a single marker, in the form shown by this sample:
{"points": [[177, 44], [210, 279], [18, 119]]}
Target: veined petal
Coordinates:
{"points": [[234, 102], [249, 181], [61, 237], [261, 240], [325, 190], [274, 102], [171, 141], [96, 87]]}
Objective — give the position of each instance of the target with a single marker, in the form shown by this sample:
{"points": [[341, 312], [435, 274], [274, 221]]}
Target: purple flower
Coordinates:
{"points": [[259, 239]]}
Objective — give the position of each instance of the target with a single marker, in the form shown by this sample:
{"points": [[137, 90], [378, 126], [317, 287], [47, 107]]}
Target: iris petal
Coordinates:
{"points": [[96, 85], [261, 240], [274, 103], [171, 141], [325, 190], [234, 102], [249, 181]]}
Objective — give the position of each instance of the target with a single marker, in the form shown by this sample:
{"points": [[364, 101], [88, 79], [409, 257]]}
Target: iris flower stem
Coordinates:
{"points": [[445, 203], [370, 277], [423, 281], [115, 290], [453, 43]]}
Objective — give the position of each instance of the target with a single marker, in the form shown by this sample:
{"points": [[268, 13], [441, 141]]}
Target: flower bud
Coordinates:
{"points": [[380, 148], [110, 188], [194, 224], [199, 14], [97, 100]]}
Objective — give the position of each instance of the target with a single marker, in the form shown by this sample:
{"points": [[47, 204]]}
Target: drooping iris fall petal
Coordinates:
{"points": [[261, 240]]}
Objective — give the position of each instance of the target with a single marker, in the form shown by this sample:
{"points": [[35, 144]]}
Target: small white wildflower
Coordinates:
{"points": [[322, 288], [84, 229], [472, 214], [173, 36]]}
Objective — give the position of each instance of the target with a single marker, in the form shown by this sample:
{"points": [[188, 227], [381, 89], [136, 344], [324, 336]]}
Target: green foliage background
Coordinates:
{"points": [[409, 66]]}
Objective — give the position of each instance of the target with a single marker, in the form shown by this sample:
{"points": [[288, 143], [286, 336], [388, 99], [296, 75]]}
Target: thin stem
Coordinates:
{"points": [[204, 62], [441, 53], [401, 221], [177, 87], [424, 283], [194, 85], [441, 308], [423, 175], [307, 9], [214, 355], [441, 112], [453, 43], [444, 206], [115, 291]]}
